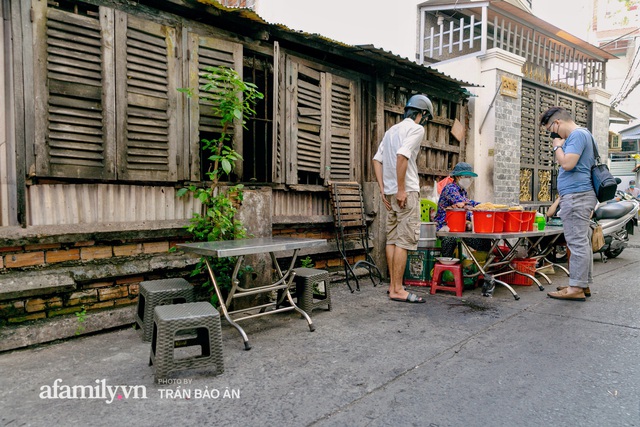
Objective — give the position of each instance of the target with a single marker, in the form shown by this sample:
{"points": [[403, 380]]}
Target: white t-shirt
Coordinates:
{"points": [[403, 138]]}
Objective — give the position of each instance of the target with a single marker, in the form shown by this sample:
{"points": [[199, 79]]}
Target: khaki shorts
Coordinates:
{"points": [[403, 225]]}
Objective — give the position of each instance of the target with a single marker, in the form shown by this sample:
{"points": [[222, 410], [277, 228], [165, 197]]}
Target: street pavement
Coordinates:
{"points": [[470, 361]]}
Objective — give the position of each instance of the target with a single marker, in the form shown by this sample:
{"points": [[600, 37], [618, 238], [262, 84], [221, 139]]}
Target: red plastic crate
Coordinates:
{"points": [[525, 265]]}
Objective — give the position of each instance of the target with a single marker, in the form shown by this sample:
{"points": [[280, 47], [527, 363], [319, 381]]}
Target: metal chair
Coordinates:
{"points": [[351, 229]]}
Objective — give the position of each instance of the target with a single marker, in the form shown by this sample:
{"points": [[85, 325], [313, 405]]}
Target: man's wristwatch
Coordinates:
{"points": [[556, 148]]}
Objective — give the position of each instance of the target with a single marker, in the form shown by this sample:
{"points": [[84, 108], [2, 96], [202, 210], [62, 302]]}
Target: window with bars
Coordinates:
{"points": [[258, 135]]}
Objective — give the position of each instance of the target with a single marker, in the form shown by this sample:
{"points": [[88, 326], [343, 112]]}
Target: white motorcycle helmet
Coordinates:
{"points": [[423, 104]]}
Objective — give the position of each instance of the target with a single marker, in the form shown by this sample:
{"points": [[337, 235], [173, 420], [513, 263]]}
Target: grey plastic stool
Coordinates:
{"points": [[159, 292], [304, 279], [202, 324]]}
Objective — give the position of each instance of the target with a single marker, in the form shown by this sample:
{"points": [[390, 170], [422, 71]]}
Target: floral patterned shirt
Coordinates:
{"points": [[451, 194]]}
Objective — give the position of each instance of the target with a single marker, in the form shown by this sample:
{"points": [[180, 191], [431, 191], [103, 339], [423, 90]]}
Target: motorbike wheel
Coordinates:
{"points": [[613, 253]]}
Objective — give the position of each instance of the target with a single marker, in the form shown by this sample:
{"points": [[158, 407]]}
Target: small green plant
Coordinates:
{"points": [[307, 262], [81, 317], [231, 99]]}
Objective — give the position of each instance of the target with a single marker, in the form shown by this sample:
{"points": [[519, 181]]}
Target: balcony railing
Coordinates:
{"points": [[447, 34]]}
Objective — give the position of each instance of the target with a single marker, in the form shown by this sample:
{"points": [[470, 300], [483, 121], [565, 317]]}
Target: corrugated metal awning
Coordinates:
{"points": [[246, 21]]}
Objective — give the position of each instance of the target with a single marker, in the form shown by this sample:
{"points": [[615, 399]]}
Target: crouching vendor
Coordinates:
{"points": [[454, 196]]}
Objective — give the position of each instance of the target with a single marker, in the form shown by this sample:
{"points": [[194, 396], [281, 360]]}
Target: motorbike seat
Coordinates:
{"points": [[613, 210]]}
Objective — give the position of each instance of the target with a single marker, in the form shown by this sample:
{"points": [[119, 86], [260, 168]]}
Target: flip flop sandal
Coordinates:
{"points": [[413, 298]]}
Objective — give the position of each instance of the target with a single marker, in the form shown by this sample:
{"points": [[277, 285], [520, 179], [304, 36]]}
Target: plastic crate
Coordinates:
{"points": [[524, 265], [419, 266]]}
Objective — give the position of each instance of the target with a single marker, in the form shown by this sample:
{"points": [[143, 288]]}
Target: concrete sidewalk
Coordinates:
{"points": [[470, 361]]}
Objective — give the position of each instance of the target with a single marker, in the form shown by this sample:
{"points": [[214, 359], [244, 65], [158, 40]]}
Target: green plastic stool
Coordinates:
{"points": [[426, 206]]}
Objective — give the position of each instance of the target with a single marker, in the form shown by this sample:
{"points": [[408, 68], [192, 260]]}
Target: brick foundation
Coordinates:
{"points": [[81, 260], [45, 283]]}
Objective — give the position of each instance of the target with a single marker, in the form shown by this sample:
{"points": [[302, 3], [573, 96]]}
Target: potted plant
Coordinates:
{"points": [[231, 99]]}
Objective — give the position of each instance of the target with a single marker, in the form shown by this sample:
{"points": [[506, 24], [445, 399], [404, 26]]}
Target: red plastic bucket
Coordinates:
{"points": [[498, 226], [484, 221], [456, 220], [528, 218], [513, 221]]}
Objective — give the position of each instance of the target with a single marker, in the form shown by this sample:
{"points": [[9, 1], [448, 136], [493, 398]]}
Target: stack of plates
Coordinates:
{"points": [[447, 260]]}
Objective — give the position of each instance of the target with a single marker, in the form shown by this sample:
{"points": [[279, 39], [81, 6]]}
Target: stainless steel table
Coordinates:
{"points": [[498, 262], [241, 248]]}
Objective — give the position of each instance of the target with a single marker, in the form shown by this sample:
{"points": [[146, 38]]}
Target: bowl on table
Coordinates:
{"points": [[447, 260]]}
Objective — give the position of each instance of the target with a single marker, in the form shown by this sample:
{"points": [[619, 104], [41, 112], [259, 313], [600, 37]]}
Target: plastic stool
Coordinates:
{"points": [[305, 279], [200, 320], [159, 292], [456, 270]]}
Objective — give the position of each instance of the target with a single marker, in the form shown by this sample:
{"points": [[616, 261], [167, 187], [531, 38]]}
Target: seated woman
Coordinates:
{"points": [[454, 196]]}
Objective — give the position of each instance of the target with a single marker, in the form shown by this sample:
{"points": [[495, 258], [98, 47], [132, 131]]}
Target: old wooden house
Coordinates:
{"points": [[95, 140]]}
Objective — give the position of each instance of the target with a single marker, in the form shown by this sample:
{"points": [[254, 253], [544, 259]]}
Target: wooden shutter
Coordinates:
{"points": [[321, 124], [147, 74], [306, 106], [341, 120], [74, 93], [209, 52], [279, 116]]}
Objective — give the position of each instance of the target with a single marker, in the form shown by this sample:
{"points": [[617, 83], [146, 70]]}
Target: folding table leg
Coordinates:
{"points": [[223, 306], [489, 286]]}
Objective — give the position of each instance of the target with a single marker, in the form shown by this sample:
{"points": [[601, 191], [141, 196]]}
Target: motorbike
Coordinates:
{"points": [[617, 217]]}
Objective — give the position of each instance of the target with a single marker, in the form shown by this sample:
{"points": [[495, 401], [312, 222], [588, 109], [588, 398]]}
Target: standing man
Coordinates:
{"points": [[397, 175], [573, 150]]}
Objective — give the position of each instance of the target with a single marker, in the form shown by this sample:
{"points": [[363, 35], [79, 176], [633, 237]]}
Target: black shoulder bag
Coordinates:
{"points": [[604, 183]]}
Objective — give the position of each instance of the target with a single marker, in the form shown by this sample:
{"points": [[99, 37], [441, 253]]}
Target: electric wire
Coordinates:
{"points": [[627, 81], [630, 73]]}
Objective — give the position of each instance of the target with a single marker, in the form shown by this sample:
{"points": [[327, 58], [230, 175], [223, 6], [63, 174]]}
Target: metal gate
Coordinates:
{"points": [[538, 170]]}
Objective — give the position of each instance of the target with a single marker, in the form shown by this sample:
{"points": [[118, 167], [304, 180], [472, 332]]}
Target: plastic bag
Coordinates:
{"points": [[443, 182], [597, 238]]}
